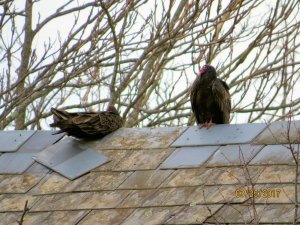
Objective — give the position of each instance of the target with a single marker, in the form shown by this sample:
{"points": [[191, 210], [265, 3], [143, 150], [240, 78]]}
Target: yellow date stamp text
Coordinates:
{"points": [[257, 193]]}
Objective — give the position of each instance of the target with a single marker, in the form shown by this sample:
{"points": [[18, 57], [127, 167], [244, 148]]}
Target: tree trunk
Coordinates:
{"points": [[23, 69]]}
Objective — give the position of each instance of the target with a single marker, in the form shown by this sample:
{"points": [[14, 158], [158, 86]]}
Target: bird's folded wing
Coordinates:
{"points": [[96, 123], [221, 95]]}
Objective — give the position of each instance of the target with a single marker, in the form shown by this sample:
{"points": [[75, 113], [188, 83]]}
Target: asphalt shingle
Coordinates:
{"points": [[275, 154], [18, 184], [246, 213], [80, 200], [95, 181], [145, 159], [142, 138], [145, 179], [15, 162], [51, 183], [234, 155], [186, 157], [192, 177], [170, 197], [69, 158], [194, 214], [57, 218], [151, 216], [40, 140], [10, 141], [136, 198], [220, 134], [280, 132], [107, 216], [16, 202]]}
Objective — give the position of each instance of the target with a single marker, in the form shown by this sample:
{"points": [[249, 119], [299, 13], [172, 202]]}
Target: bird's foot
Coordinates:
{"points": [[207, 125], [210, 124], [203, 125]]}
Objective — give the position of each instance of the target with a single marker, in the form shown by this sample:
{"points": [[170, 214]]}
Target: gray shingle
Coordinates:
{"points": [[10, 141], [15, 163], [80, 164], [189, 157], [220, 134], [39, 141], [70, 159], [25, 143]]}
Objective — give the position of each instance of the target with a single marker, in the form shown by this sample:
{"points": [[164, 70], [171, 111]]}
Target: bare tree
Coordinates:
{"points": [[143, 55]]}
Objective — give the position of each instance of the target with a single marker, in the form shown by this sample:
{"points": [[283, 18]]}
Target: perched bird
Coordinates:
{"points": [[210, 98], [87, 125]]}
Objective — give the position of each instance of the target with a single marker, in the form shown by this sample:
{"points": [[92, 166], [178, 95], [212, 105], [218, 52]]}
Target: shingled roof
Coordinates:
{"points": [[172, 175]]}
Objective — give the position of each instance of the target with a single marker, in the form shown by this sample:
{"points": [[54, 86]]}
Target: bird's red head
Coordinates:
{"points": [[209, 70], [112, 109], [203, 69]]}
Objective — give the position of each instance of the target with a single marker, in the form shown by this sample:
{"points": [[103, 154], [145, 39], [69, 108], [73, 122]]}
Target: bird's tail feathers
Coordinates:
{"points": [[60, 114]]}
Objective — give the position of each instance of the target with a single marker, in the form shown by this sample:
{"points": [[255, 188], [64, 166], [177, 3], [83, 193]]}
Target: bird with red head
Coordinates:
{"points": [[210, 98]]}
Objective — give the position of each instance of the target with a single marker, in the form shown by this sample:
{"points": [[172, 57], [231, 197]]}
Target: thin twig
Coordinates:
{"points": [[25, 210]]}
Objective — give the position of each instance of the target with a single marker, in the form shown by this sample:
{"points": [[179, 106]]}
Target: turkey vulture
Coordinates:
{"points": [[210, 98], [87, 125]]}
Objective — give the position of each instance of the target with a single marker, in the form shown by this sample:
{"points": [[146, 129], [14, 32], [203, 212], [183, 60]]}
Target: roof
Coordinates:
{"points": [[172, 175]]}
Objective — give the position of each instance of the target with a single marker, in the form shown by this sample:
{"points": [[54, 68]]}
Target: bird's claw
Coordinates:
{"points": [[206, 124], [203, 125]]}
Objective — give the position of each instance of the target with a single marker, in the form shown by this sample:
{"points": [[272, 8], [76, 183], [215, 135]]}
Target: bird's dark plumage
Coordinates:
{"points": [[86, 125], [210, 98]]}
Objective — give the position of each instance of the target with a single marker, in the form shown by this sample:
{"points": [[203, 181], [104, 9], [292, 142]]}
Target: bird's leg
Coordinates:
{"points": [[203, 125], [209, 124]]}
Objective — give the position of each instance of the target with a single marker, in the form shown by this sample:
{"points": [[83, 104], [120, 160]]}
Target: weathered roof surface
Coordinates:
{"points": [[159, 176]]}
